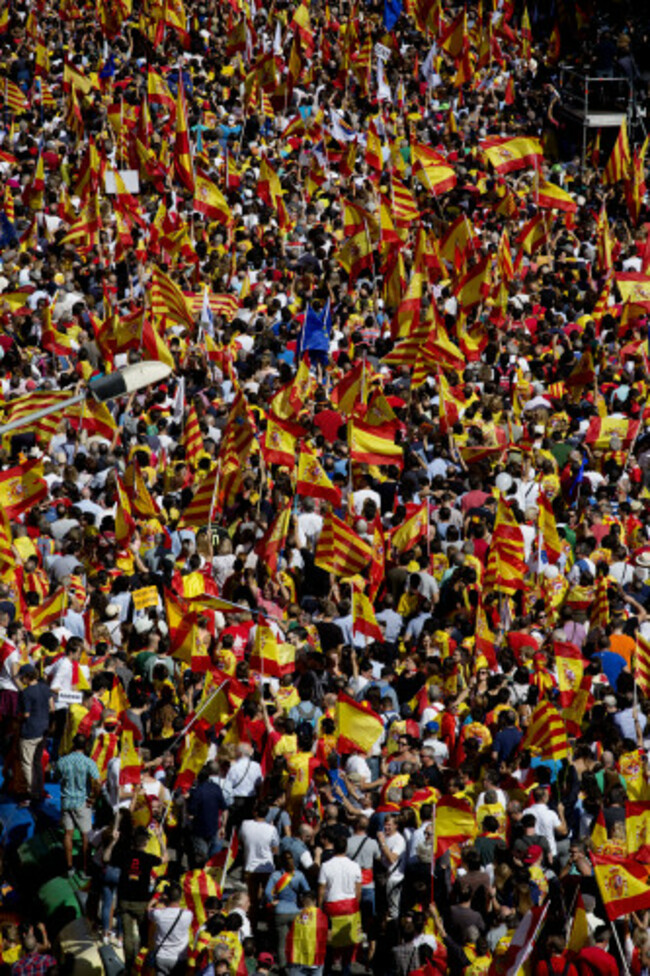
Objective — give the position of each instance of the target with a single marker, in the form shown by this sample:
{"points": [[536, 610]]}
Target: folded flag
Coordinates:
{"points": [[358, 727]]}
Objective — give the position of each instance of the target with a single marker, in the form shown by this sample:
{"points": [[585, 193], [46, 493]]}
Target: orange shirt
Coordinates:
{"points": [[623, 645]]}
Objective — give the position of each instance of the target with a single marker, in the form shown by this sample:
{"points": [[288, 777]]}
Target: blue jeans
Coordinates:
{"points": [[109, 888]]}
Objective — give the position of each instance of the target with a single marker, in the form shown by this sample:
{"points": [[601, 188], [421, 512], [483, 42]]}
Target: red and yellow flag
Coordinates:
{"points": [[623, 885], [358, 727], [363, 616]]}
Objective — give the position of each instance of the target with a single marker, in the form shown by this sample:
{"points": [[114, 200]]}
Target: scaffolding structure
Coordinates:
{"points": [[598, 102]]}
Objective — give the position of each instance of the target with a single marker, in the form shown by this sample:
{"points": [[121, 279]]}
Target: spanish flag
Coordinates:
{"points": [[48, 613], [455, 823], [103, 750], [183, 165], [347, 392], [194, 758], [269, 657], [306, 943], [432, 169], [358, 727], [210, 201], [415, 528], [130, 761], [623, 885], [508, 155], [363, 616], [634, 288], [553, 197], [312, 480], [279, 445], [272, 542], [182, 627], [374, 445], [570, 667], [548, 529], [602, 429]]}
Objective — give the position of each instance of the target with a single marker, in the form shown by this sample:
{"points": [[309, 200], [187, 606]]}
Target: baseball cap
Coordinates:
{"points": [[534, 852]]}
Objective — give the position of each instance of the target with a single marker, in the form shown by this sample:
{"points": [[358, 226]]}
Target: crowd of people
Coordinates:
{"points": [[332, 649]]}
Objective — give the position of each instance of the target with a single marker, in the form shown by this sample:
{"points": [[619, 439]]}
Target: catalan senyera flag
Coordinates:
{"points": [[358, 727], [183, 165], [374, 445], [210, 201], [570, 667], [546, 735], [455, 823], [312, 480], [339, 549], [642, 664], [618, 164], [406, 535], [200, 510], [553, 197], [548, 529], [509, 154], [167, 299], [623, 885], [21, 488], [363, 616], [130, 761], [192, 438], [270, 656], [14, 97], [506, 568]]}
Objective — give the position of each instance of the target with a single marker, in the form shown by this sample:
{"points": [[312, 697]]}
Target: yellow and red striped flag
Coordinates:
{"points": [[200, 510], [548, 529], [273, 541], [340, 550], [167, 299], [432, 169], [192, 439], [374, 444], [14, 97], [642, 665], [618, 164], [553, 197], [546, 735]]}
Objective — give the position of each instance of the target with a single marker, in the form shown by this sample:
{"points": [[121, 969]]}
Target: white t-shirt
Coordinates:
{"points": [[357, 764], [174, 941], [259, 840], [7, 682], [546, 822], [340, 875], [396, 845]]}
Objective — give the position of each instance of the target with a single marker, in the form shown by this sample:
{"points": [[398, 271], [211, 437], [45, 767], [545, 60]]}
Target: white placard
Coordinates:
{"points": [[131, 179]]}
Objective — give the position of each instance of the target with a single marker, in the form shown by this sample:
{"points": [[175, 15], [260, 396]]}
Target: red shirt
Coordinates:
{"points": [[594, 961], [556, 964]]}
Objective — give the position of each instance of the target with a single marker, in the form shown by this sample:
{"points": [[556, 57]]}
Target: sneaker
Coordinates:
{"points": [[71, 872]]}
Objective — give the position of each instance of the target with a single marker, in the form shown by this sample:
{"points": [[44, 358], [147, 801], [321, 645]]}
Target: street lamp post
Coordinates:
{"points": [[122, 382]]}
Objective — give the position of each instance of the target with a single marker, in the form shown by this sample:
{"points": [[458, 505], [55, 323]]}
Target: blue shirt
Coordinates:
{"points": [[73, 770], [287, 898]]}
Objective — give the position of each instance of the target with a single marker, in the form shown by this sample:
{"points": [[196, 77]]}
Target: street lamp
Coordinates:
{"points": [[120, 383]]}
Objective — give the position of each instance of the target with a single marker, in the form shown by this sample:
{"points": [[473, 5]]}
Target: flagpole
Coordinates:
{"points": [[214, 497], [197, 715], [224, 870], [620, 949], [433, 848]]}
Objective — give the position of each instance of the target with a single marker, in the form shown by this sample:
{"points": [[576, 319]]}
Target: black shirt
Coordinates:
{"points": [[135, 880]]}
